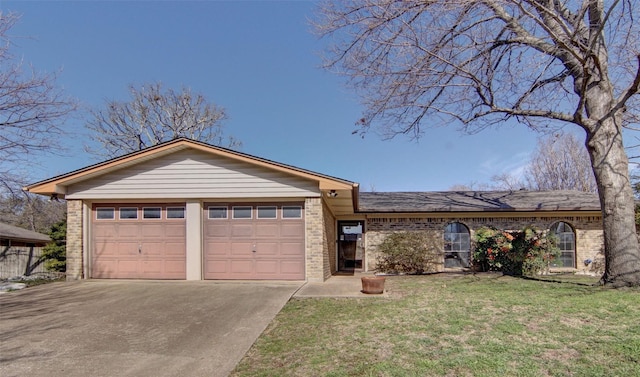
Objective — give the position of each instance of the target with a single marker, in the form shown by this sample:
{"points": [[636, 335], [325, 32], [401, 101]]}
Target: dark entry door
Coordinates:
{"points": [[350, 245]]}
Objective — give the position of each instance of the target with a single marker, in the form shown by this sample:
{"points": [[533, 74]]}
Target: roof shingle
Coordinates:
{"points": [[478, 201], [19, 234]]}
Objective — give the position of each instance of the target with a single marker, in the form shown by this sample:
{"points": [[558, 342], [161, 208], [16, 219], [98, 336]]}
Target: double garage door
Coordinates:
{"points": [[241, 241]]}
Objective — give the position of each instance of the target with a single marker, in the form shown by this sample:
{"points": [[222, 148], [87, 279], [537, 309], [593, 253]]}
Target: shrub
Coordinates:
{"points": [[54, 253], [525, 252], [409, 252]]}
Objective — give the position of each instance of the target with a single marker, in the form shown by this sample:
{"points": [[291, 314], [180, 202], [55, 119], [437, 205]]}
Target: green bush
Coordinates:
{"points": [[408, 252], [54, 253], [525, 252]]}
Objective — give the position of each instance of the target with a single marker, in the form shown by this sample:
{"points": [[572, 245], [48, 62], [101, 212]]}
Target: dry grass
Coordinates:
{"points": [[457, 325]]}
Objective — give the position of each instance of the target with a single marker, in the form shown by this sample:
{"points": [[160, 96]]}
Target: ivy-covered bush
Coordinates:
{"points": [[409, 252], [525, 252]]}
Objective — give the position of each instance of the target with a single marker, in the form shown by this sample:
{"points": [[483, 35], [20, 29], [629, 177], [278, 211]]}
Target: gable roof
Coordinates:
{"points": [[477, 201], [19, 234], [57, 185]]}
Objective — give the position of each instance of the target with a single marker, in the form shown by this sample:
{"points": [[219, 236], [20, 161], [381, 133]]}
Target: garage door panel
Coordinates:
{"points": [[241, 230], [105, 249], [292, 248], [242, 248], [279, 246], [220, 266], [127, 248], [217, 230], [289, 229], [173, 249], [268, 249], [175, 266], [104, 230], [175, 231], [152, 230], [241, 267], [127, 266], [105, 270], [127, 230], [292, 267], [155, 249], [138, 248], [269, 266], [217, 248], [152, 267], [267, 230]]}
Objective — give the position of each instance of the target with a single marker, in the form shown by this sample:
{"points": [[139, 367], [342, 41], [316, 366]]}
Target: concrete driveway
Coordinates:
{"points": [[134, 328]]}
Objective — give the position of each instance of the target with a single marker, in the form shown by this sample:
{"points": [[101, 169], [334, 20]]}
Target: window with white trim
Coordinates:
{"points": [[217, 213], [128, 213], [105, 213], [291, 212], [152, 213], [175, 212], [566, 243], [267, 212], [242, 212], [457, 245]]}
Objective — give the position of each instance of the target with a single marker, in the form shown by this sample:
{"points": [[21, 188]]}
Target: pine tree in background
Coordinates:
{"points": [[55, 252]]}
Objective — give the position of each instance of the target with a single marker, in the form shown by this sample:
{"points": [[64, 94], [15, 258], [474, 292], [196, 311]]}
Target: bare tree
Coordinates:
{"points": [[560, 163], [32, 108], [506, 181], [544, 63], [32, 212], [26, 210], [154, 115], [473, 186]]}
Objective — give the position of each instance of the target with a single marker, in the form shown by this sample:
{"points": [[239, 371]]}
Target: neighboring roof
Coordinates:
{"points": [[478, 201], [56, 185], [19, 234]]}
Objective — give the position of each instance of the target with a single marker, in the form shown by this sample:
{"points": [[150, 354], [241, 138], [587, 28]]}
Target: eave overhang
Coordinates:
{"points": [[57, 186]]}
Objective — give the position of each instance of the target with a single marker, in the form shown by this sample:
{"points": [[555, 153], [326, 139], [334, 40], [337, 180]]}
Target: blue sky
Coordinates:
{"points": [[260, 61]]}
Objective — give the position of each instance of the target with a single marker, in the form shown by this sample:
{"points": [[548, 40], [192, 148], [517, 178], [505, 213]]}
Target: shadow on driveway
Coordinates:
{"points": [[134, 328]]}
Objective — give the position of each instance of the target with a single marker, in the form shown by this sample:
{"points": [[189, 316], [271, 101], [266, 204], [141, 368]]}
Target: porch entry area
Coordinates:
{"points": [[350, 245]]}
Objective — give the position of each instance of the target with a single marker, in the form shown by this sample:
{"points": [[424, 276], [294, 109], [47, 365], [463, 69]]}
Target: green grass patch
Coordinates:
{"points": [[457, 325]]}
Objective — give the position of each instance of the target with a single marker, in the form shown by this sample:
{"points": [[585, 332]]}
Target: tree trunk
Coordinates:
{"points": [[610, 166]]}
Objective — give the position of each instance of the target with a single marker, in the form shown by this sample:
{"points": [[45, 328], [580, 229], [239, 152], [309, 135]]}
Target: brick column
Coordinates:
{"points": [[314, 233], [329, 236], [74, 240]]}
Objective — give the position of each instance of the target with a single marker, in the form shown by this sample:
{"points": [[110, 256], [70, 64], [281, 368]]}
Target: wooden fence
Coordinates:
{"points": [[20, 260]]}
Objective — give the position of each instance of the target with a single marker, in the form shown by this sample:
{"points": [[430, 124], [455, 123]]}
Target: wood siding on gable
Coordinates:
{"points": [[193, 174]]}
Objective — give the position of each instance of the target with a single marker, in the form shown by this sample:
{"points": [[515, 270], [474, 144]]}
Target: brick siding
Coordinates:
{"points": [[330, 237], [321, 240], [315, 239], [74, 240], [588, 229]]}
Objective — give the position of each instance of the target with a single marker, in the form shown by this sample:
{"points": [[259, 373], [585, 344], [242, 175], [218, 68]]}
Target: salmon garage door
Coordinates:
{"points": [[254, 241], [145, 241]]}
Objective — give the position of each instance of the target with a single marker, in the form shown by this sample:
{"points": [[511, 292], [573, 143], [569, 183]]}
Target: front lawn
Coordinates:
{"points": [[457, 325]]}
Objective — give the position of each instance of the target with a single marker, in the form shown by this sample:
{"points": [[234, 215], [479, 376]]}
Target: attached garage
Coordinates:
{"points": [[254, 241], [188, 210], [145, 241]]}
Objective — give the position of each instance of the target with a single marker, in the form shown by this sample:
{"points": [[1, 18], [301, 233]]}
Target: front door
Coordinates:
{"points": [[350, 245]]}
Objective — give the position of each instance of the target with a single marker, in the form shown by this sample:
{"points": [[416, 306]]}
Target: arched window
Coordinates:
{"points": [[566, 243], [457, 244]]}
